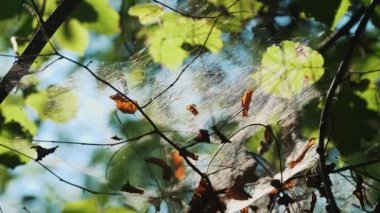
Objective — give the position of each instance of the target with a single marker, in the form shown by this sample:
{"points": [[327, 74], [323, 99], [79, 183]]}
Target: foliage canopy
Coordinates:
{"points": [[198, 106]]}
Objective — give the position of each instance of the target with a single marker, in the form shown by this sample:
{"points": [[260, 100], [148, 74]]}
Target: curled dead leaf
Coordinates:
{"points": [[202, 136], [124, 105], [193, 109]]}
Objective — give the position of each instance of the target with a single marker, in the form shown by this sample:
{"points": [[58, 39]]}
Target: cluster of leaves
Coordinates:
{"points": [[288, 70]]}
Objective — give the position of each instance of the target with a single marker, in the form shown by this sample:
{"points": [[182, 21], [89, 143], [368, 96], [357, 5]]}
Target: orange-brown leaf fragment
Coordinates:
{"points": [[167, 172], [124, 105], [294, 162], [245, 101], [179, 165], [193, 109], [131, 189]]}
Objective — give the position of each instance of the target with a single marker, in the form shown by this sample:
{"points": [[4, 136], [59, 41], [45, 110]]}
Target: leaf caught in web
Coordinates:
{"points": [[131, 189], [294, 162], [43, 152], [205, 200], [193, 109], [245, 102], [122, 104], [221, 136], [288, 68], [116, 138], [203, 136], [237, 191], [167, 172], [179, 165]]}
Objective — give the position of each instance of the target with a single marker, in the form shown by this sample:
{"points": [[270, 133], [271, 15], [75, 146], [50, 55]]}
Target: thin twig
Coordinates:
{"points": [[274, 137], [329, 42], [185, 67], [57, 176], [94, 144], [21, 67], [350, 167], [329, 102]]}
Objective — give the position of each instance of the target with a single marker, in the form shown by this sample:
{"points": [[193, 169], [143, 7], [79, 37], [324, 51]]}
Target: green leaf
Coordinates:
{"points": [[107, 18], [325, 11], [82, 206], [342, 10], [10, 160], [166, 41], [119, 210], [352, 122], [11, 9], [56, 103], [17, 114], [288, 68], [147, 13], [72, 36], [85, 12]]}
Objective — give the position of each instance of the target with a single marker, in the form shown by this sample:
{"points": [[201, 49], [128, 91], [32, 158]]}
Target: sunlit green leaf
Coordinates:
{"points": [[342, 10], [57, 104], [288, 68], [82, 206], [147, 13], [119, 210], [72, 36], [166, 41], [107, 18], [18, 114]]}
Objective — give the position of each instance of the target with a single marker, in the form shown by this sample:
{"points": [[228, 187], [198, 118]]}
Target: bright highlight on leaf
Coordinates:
{"points": [[167, 38], [288, 68], [245, 102], [122, 104], [147, 13]]}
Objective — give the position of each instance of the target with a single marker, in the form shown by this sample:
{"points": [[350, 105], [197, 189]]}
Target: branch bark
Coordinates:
{"points": [[342, 70], [45, 31], [329, 42]]}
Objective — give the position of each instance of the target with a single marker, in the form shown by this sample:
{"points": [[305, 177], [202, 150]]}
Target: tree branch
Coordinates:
{"points": [[329, 101], [330, 41], [38, 42]]}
